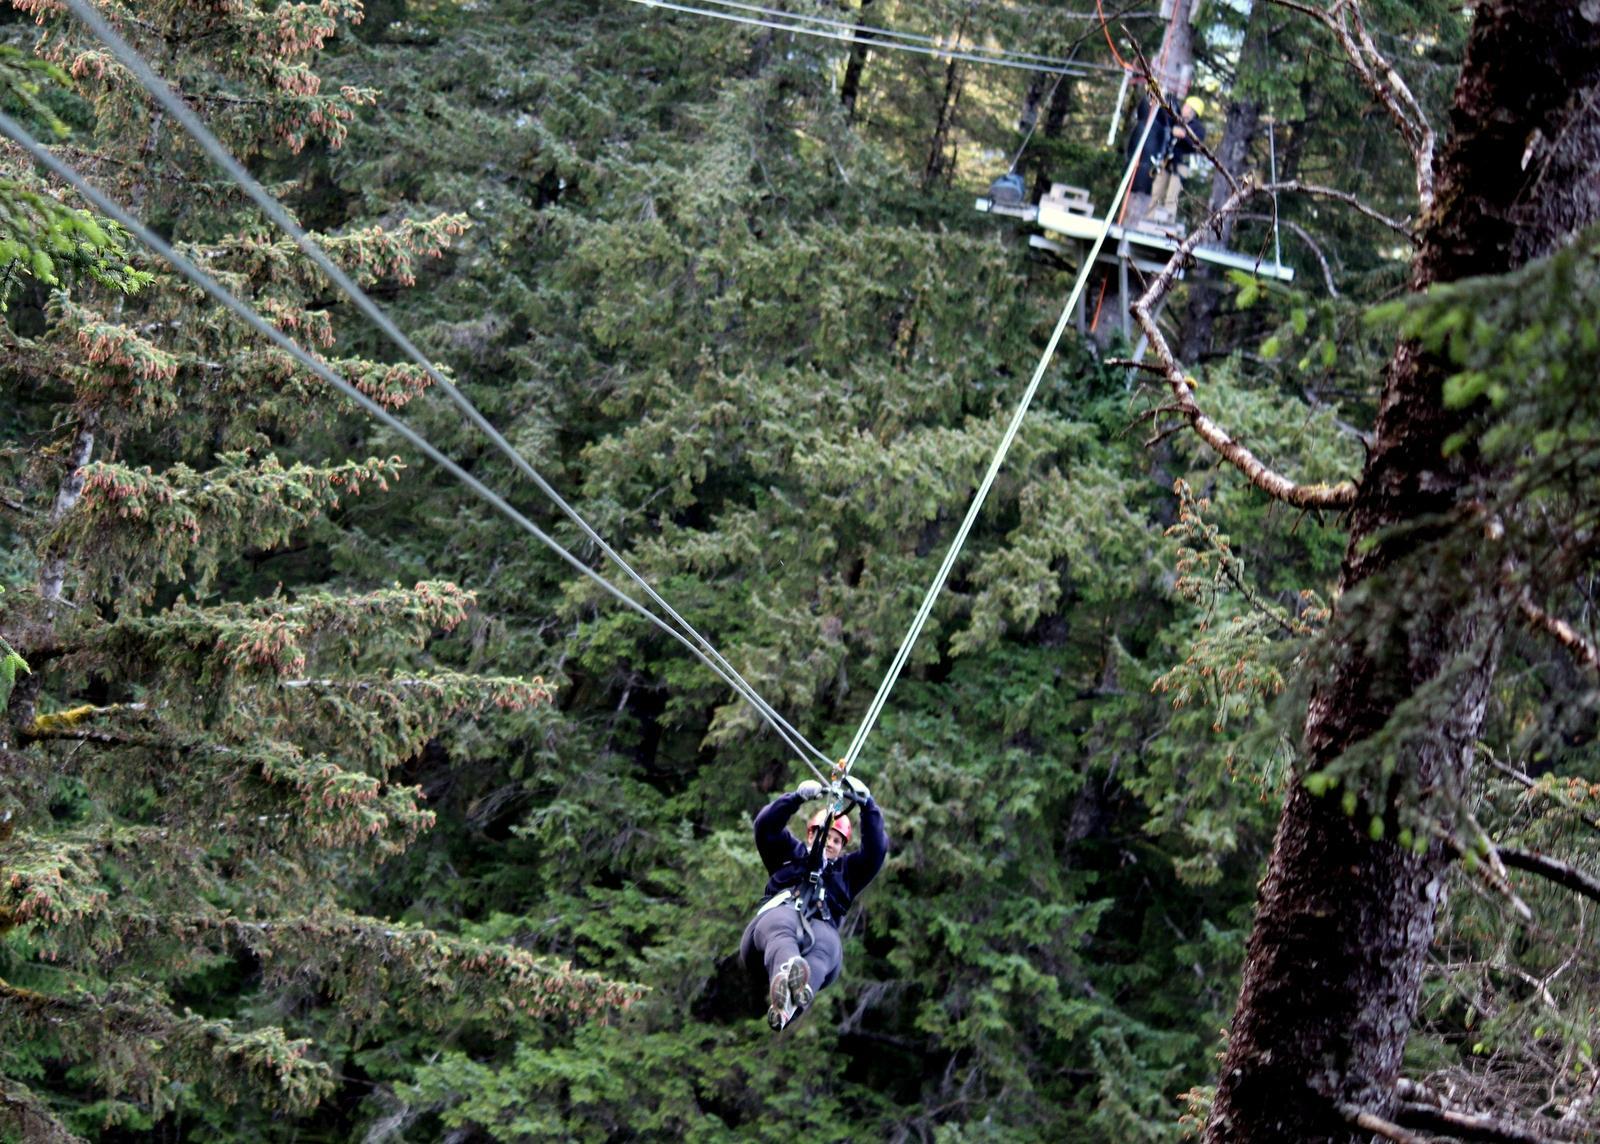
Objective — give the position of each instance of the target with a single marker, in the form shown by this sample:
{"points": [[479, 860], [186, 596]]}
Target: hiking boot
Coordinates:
{"points": [[800, 991], [780, 1008]]}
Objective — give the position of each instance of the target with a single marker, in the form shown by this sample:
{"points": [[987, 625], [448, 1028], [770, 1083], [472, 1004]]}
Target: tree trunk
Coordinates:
{"points": [[1344, 923], [1055, 118], [1205, 297], [851, 89], [937, 164]]}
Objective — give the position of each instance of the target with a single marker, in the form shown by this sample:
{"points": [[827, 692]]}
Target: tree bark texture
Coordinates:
{"points": [[1344, 923]]}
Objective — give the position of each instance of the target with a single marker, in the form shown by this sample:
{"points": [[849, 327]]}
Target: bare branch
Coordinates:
{"points": [[1582, 648], [1423, 142], [1316, 190], [1343, 19], [1129, 363], [1305, 237], [1376, 1124], [1272, 483], [1365, 436], [1561, 873], [1469, 1126]]}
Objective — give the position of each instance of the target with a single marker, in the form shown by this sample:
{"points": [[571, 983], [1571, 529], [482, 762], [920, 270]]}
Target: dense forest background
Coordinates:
{"points": [[335, 808]]}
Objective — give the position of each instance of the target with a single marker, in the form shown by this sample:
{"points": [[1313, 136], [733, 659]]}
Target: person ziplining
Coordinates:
{"points": [[792, 947]]}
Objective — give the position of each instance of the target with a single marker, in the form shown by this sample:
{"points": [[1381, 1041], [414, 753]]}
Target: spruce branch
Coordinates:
{"points": [[1535, 785], [104, 1025]]}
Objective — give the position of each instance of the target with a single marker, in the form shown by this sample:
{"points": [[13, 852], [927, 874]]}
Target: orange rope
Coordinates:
{"points": [[1094, 323], [1121, 63]]}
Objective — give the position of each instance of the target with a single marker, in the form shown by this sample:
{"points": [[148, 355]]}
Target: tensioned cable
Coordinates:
{"points": [[912, 37], [1082, 71], [169, 99], [17, 133], [1026, 139], [1004, 447]]}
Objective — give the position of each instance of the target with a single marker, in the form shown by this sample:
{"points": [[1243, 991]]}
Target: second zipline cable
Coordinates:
{"points": [[163, 93], [18, 134]]}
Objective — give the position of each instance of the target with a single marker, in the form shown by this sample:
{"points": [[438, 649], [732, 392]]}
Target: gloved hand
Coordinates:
{"points": [[809, 789], [857, 790]]}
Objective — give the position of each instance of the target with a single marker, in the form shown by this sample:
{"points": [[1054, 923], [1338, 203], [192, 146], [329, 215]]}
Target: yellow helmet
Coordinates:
{"points": [[1197, 103]]}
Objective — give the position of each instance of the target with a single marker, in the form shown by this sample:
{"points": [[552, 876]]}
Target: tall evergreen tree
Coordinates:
{"points": [[1449, 523], [212, 733]]}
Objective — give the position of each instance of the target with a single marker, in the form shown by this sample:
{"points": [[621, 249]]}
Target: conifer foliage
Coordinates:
{"points": [[206, 738]]}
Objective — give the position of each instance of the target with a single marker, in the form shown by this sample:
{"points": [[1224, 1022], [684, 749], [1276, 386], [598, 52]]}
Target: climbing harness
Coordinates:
{"points": [[812, 900]]}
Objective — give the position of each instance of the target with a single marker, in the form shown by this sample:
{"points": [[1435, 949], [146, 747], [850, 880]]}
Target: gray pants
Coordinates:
{"points": [[774, 937]]}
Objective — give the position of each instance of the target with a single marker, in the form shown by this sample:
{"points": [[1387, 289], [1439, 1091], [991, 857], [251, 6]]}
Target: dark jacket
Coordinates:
{"points": [[1176, 149], [785, 855]]}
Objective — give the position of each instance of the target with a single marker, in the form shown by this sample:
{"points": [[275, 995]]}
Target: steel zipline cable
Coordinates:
{"points": [[18, 134], [136, 64], [873, 37], [1006, 439], [1007, 60], [163, 93]]}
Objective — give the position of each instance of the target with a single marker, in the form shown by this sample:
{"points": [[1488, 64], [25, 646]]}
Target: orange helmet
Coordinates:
{"points": [[841, 824]]}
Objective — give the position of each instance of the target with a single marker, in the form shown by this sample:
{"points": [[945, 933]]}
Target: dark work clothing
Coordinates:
{"points": [[775, 934], [1144, 174], [1179, 149], [1161, 148], [785, 855]]}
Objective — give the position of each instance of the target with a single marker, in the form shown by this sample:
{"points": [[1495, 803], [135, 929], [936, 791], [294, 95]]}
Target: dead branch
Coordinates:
{"points": [[1304, 236], [1316, 190], [1469, 1126], [1377, 1125], [1274, 484], [1161, 435], [1582, 648], [1344, 20], [1561, 873], [1365, 436], [1129, 363]]}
